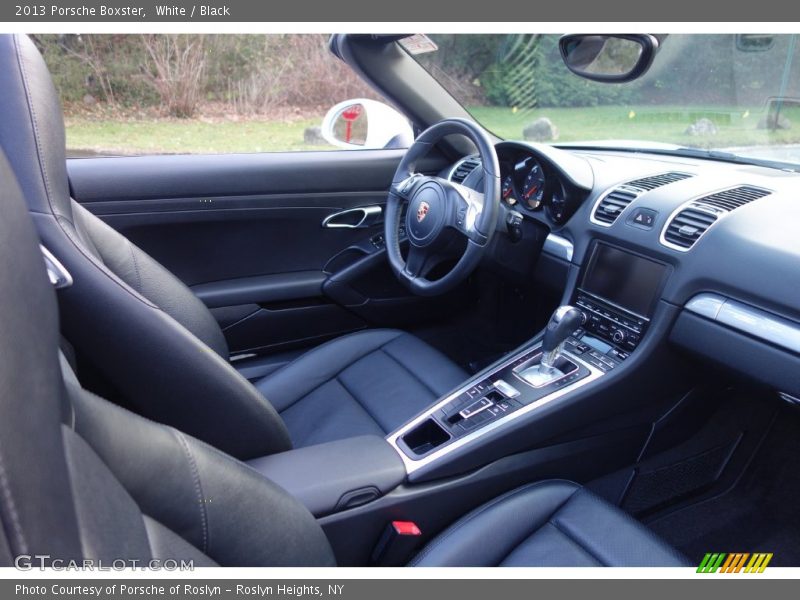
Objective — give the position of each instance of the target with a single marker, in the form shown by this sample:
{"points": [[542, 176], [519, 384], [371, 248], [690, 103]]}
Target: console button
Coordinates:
{"points": [[597, 362], [467, 424], [481, 417], [474, 409], [507, 390], [619, 354], [643, 218]]}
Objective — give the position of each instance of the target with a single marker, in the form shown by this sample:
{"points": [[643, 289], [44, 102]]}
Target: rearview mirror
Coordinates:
{"points": [[608, 58], [366, 124]]}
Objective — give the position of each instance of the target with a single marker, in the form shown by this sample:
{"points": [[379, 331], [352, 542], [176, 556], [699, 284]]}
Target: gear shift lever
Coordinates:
{"points": [[565, 320]]}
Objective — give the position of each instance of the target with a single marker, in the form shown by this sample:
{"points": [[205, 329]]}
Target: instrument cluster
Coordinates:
{"points": [[526, 185]]}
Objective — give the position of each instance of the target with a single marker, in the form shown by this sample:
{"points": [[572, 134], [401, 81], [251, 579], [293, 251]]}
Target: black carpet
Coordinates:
{"points": [[760, 513]]}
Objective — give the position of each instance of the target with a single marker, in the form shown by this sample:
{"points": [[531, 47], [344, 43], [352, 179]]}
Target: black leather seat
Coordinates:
{"points": [[367, 382], [83, 478], [147, 334], [548, 524]]}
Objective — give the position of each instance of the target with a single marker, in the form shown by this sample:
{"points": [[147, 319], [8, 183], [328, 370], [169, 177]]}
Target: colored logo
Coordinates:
{"points": [[422, 211], [737, 562]]}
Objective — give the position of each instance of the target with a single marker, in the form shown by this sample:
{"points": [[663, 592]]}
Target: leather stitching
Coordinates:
{"points": [[197, 486], [206, 447], [304, 356], [359, 403], [409, 371], [576, 542], [11, 509], [34, 124], [101, 267], [135, 265], [476, 513]]}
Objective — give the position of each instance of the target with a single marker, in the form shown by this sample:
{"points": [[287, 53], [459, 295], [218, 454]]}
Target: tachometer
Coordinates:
{"points": [[533, 187], [508, 190]]}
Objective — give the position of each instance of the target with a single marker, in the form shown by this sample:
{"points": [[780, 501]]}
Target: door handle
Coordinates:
{"points": [[353, 218]]}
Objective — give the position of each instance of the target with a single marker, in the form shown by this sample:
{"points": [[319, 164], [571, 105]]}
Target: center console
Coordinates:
{"points": [[608, 317], [616, 296]]}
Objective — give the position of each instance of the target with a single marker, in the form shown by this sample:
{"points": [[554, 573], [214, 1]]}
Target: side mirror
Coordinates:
{"points": [[366, 124], [608, 58]]}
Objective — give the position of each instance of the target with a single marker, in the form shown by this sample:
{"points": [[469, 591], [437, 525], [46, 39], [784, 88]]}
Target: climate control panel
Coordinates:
{"points": [[610, 323]]}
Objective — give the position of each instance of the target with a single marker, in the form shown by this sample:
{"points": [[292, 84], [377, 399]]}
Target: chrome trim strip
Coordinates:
{"points": [[706, 305], [747, 319], [414, 465], [558, 246], [59, 276]]}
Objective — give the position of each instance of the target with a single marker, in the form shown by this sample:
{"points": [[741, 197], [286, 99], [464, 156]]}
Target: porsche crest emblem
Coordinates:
{"points": [[422, 211]]}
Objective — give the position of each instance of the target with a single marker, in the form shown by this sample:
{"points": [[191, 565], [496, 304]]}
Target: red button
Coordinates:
{"points": [[406, 528]]}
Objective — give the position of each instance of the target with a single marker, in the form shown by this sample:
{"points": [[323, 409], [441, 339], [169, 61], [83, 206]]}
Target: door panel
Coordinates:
{"points": [[246, 233], [218, 239]]}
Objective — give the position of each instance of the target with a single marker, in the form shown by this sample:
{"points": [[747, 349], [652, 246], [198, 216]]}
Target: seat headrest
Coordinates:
{"points": [[32, 127]]}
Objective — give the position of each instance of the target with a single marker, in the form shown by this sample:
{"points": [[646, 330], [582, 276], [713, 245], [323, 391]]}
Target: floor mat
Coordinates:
{"points": [[758, 514]]}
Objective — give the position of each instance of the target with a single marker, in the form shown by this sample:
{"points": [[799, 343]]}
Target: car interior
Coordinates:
{"points": [[381, 357]]}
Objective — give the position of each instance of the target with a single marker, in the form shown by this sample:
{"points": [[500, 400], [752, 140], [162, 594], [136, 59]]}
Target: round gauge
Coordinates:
{"points": [[533, 187], [508, 190], [557, 207]]}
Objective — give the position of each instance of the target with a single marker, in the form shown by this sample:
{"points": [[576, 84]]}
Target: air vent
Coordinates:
{"points": [[687, 227], [734, 198], [694, 218], [650, 183], [612, 206], [463, 168]]}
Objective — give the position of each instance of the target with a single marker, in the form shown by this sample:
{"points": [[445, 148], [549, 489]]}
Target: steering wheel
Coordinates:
{"points": [[438, 210]]}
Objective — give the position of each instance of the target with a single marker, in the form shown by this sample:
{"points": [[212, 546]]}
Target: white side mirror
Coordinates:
{"points": [[366, 124]]}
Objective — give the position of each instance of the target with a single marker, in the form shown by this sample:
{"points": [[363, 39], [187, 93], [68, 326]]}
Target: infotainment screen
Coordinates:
{"points": [[629, 281]]}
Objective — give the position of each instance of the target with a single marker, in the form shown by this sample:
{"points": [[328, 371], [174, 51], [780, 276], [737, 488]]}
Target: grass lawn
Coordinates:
{"points": [[664, 124], [655, 123], [194, 136]]}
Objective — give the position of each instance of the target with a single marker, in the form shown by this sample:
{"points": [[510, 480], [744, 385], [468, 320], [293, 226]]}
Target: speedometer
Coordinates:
{"points": [[533, 187]]}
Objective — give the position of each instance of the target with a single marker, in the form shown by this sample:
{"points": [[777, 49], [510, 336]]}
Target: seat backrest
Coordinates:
{"points": [[134, 322], [83, 478]]}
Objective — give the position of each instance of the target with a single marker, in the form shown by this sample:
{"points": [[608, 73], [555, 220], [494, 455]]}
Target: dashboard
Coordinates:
{"points": [[727, 235]]}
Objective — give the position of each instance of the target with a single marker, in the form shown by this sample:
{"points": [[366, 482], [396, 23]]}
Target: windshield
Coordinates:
{"points": [[734, 93]]}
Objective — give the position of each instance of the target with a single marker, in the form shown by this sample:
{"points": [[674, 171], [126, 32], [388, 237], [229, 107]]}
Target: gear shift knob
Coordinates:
{"points": [[565, 320]]}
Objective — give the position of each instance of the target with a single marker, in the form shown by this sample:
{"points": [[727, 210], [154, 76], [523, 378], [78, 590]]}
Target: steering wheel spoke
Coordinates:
{"points": [[418, 262], [466, 207], [405, 188]]}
